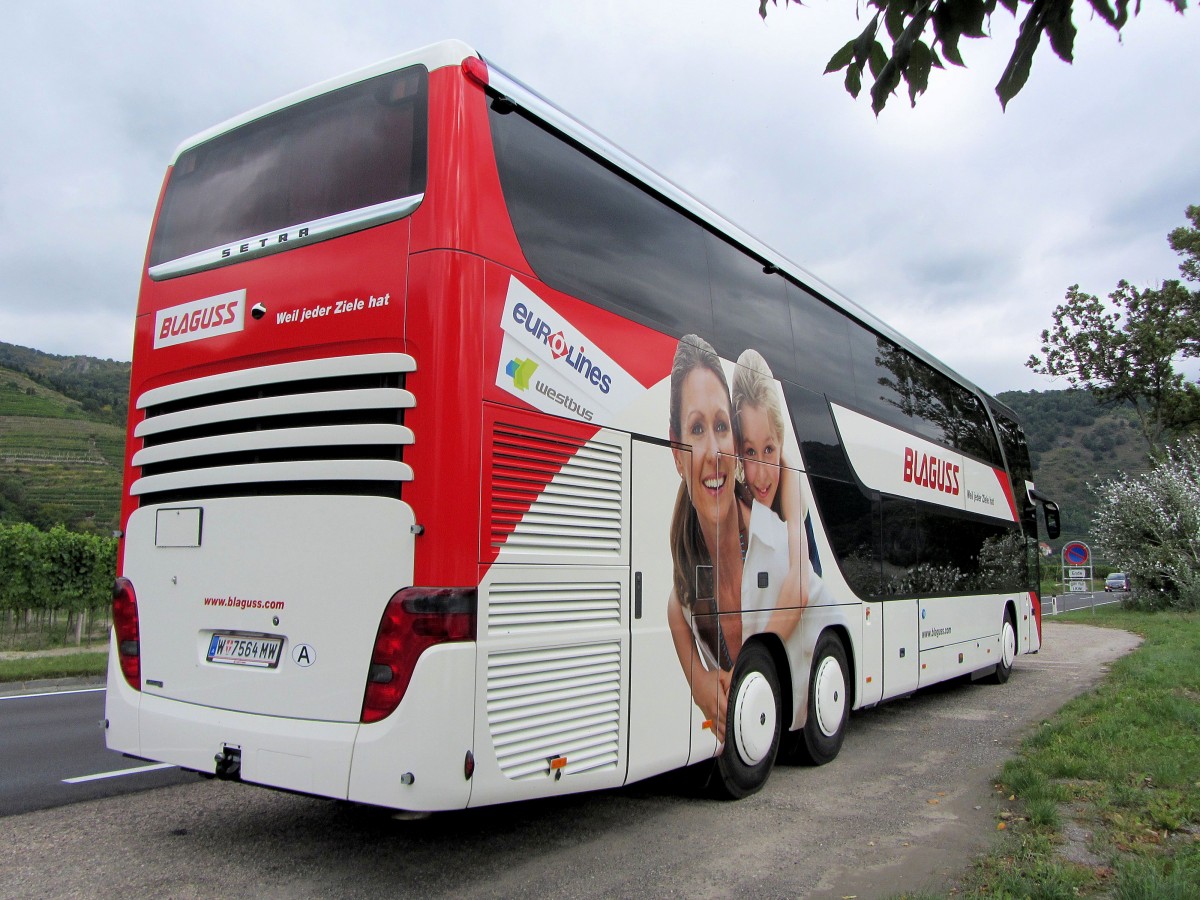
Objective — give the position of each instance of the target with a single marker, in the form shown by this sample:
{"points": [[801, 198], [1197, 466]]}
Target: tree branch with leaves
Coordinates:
{"points": [[1126, 350], [922, 33]]}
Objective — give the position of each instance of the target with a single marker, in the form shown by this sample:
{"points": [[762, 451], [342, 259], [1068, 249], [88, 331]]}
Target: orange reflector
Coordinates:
{"points": [[708, 723], [559, 762], [868, 679]]}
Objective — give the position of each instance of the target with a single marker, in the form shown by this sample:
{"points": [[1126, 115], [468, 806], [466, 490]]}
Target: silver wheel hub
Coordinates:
{"points": [[830, 696], [754, 727], [1010, 644]]}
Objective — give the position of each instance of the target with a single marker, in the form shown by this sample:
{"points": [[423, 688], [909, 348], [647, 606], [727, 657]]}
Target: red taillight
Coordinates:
{"points": [[125, 623], [476, 70], [415, 620]]}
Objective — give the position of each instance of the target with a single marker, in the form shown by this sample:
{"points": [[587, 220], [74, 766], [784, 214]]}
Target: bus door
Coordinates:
{"points": [[1027, 634], [661, 712]]}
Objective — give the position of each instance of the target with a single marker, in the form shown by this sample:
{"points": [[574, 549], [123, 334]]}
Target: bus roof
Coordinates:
{"points": [[500, 83]]}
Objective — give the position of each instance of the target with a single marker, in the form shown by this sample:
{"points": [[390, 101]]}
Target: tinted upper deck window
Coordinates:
{"points": [[348, 149], [896, 387], [822, 340], [749, 308], [590, 232]]}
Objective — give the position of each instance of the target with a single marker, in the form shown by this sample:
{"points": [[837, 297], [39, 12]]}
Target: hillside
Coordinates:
{"points": [[1074, 442], [62, 442], [62, 439], [98, 388]]}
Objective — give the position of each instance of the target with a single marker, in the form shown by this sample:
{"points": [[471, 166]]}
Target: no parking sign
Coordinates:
{"points": [[1077, 567], [1076, 553]]}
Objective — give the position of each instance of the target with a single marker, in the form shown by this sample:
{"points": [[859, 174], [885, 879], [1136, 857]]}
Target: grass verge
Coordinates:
{"points": [[71, 665], [1106, 795]]}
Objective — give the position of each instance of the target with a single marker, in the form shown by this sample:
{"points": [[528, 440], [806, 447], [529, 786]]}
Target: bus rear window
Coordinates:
{"points": [[350, 149]]}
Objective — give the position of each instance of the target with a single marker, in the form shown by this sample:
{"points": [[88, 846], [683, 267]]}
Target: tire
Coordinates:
{"points": [[1008, 651], [752, 726], [820, 740]]}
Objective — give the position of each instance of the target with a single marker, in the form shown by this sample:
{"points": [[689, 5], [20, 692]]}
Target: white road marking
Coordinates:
{"points": [[135, 771], [51, 693]]}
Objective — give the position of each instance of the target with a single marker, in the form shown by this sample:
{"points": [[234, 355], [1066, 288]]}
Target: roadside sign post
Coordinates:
{"points": [[1077, 570]]}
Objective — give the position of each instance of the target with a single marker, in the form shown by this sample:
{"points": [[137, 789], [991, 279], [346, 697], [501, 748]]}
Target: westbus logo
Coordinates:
{"points": [[560, 347], [520, 371], [926, 470], [200, 319]]}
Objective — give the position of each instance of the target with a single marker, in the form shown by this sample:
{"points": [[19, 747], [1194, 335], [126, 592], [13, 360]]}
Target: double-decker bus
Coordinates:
{"points": [[471, 461]]}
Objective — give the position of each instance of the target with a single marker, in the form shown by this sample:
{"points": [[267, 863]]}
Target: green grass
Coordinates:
{"points": [[72, 665], [1122, 762]]}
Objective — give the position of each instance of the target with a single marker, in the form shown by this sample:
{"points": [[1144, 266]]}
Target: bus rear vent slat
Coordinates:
{"points": [[316, 427], [556, 497]]}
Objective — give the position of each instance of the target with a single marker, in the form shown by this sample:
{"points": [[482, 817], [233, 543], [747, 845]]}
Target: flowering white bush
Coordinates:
{"points": [[1149, 525]]}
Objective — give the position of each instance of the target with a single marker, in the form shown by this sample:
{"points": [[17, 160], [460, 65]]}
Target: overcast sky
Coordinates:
{"points": [[958, 224]]}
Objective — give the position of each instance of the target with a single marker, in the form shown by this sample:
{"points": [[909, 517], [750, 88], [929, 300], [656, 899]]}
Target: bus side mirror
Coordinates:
{"points": [[1050, 508]]}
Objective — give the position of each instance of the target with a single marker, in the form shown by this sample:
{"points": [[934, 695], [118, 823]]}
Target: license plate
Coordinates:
{"points": [[245, 650]]}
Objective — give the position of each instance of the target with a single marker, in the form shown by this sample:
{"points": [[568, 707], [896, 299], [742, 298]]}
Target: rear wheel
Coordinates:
{"points": [[820, 740], [752, 724]]}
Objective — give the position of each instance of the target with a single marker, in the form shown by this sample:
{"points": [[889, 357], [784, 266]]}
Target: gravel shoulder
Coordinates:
{"points": [[907, 806]]}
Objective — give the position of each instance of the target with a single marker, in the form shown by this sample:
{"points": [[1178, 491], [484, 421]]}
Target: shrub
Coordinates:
{"points": [[1149, 526]]}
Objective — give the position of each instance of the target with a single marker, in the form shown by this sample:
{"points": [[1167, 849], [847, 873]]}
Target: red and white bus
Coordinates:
{"points": [[471, 461]]}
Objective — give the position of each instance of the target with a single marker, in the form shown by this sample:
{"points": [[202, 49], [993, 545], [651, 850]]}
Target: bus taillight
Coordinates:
{"points": [[415, 619], [125, 623], [476, 69]]}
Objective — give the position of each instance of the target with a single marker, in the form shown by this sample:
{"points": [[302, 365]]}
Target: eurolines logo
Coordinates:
{"points": [[560, 346], [554, 366], [520, 371]]}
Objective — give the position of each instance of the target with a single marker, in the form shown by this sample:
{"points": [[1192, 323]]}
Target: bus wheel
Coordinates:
{"points": [[752, 723], [820, 740], [1008, 652]]}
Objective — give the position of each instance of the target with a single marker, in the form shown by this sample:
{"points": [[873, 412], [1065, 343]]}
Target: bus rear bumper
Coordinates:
{"points": [[309, 757], [413, 759]]}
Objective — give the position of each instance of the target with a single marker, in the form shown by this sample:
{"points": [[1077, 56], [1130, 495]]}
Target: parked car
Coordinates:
{"points": [[1117, 581]]}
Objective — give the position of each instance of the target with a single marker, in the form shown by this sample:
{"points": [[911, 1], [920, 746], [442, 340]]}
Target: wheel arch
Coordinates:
{"points": [[1013, 615]]}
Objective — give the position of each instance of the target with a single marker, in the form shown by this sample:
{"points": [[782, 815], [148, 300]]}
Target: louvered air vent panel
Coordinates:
{"points": [[329, 426], [555, 703], [556, 496], [525, 608]]}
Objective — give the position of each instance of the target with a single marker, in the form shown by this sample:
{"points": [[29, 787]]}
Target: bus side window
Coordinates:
{"points": [[749, 308]]}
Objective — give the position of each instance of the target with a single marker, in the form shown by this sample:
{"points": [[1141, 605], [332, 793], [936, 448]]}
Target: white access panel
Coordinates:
{"points": [[661, 712], [870, 656], [901, 649]]}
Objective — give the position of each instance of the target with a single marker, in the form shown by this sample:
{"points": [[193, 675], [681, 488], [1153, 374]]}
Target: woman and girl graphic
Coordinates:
{"points": [[739, 544]]}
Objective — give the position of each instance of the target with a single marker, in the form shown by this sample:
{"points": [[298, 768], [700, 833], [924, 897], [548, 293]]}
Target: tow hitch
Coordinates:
{"points": [[229, 763]]}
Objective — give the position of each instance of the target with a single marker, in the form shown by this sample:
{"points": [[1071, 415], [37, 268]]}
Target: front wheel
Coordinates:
{"points": [[1008, 652], [752, 725], [820, 740]]}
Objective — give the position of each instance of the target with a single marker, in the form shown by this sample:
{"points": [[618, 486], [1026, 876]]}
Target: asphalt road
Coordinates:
{"points": [[1076, 600], [52, 752], [906, 806]]}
